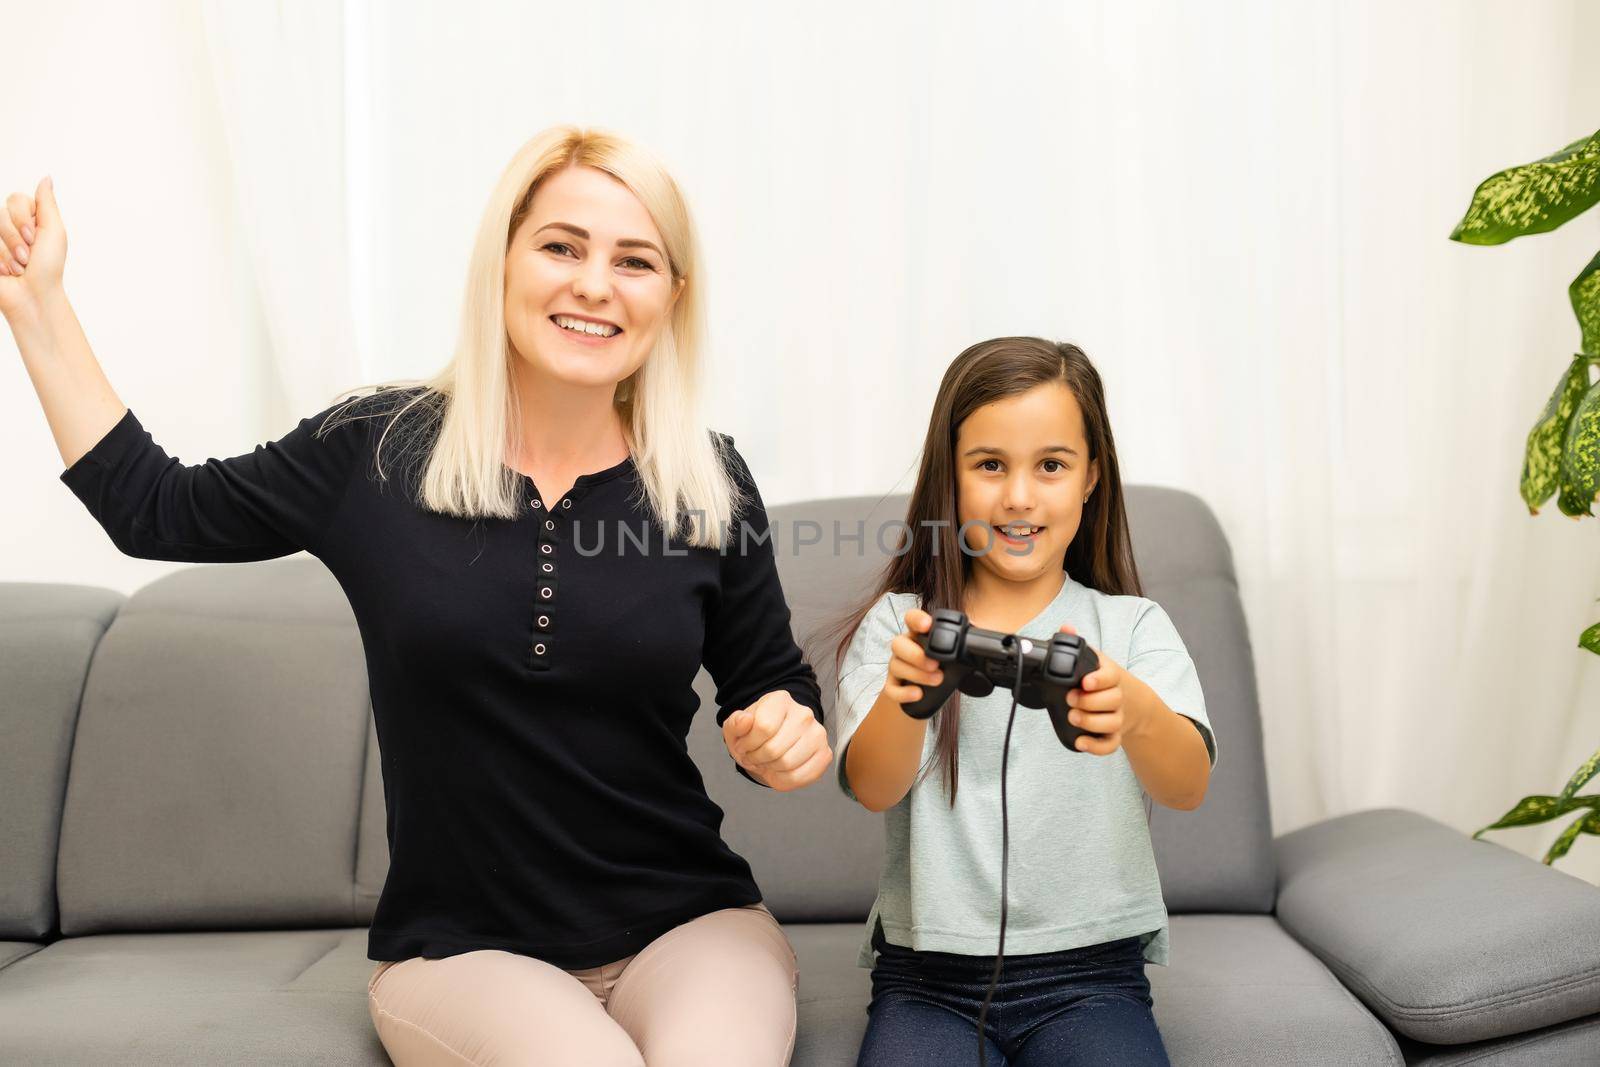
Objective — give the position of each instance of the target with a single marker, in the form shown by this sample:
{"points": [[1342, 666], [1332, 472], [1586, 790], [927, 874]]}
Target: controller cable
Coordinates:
{"points": [[1005, 845]]}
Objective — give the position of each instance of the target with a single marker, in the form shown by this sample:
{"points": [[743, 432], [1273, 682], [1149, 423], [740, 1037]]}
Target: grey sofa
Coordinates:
{"points": [[193, 839]]}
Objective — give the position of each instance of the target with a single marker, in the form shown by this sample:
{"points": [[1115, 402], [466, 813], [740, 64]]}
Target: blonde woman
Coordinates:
{"points": [[558, 889]]}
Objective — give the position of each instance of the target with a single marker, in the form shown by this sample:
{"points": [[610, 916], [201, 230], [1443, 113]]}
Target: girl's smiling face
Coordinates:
{"points": [[1022, 471], [586, 255]]}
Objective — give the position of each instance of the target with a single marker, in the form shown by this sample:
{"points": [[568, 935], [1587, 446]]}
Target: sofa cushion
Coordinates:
{"points": [[1447, 939], [48, 634], [219, 756], [1241, 990], [1570, 1044], [278, 997], [12, 951], [832, 994]]}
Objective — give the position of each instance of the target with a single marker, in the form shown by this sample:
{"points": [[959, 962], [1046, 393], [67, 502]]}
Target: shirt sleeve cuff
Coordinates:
{"points": [[107, 451], [807, 695], [740, 768]]}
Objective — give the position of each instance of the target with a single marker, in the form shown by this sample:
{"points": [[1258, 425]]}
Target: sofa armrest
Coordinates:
{"points": [[1445, 938]]}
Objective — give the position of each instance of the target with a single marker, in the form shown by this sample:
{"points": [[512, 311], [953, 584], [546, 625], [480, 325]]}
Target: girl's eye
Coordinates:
{"points": [[1055, 465]]}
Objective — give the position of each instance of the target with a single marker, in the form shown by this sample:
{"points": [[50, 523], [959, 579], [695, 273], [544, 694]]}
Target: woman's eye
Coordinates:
{"points": [[561, 248], [985, 464], [1057, 464]]}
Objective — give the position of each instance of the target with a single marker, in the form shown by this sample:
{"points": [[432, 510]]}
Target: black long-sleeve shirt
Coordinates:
{"points": [[531, 694]]}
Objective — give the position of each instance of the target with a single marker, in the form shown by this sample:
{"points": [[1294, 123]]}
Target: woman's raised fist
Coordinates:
{"points": [[33, 248]]}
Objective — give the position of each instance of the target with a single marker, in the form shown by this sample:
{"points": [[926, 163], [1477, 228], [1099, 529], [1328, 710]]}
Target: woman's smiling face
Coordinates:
{"points": [[1023, 461], [587, 283]]}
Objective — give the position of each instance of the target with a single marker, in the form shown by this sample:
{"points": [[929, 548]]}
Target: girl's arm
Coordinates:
{"points": [[1166, 750], [1171, 754], [882, 758], [883, 755]]}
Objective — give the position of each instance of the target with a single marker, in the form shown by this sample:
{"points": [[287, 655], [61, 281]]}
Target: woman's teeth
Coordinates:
{"points": [[1018, 533], [580, 326]]}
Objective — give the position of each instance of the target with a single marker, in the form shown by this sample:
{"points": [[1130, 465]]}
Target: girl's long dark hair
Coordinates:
{"points": [[935, 568]]}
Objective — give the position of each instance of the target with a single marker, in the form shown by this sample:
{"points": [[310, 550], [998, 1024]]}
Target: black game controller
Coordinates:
{"points": [[975, 660]]}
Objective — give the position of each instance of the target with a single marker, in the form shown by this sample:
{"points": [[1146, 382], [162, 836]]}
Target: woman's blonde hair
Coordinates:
{"points": [[474, 409]]}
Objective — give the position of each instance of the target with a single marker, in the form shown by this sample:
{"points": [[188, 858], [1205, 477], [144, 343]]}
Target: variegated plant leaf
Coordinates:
{"points": [[1534, 197], [1584, 824], [1590, 639], [1540, 808], [1541, 463], [1580, 457], [1580, 777], [1585, 293]]}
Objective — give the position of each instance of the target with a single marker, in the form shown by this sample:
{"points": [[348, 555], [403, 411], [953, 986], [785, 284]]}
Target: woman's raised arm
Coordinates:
{"points": [[79, 403], [271, 502]]}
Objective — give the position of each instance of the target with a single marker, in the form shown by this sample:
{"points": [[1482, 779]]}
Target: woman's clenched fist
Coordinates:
{"points": [[33, 249]]}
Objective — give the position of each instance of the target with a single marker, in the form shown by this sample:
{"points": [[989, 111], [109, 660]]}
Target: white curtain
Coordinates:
{"points": [[1240, 211], [279, 70]]}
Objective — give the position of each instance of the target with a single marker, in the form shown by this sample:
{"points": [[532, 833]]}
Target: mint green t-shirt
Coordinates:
{"points": [[1082, 871]]}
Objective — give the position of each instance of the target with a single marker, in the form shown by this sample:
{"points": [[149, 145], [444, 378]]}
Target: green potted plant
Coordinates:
{"points": [[1563, 450]]}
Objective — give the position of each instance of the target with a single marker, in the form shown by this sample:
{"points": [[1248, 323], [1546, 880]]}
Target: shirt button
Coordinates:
{"points": [[544, 620], [548, 568], [546, 549], [545, 592], [538, 650], [548, 525], [566, 503], [537, 504]]}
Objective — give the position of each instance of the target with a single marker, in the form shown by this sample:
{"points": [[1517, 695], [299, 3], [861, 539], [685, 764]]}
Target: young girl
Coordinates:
{"points": [[1017, 519]]}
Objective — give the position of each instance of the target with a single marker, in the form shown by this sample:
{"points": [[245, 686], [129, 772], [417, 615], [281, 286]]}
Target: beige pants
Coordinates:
{"points": [[718, 990]]}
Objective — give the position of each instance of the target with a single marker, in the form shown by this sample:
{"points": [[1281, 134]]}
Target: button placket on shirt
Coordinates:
{"points": [[546, 574]]}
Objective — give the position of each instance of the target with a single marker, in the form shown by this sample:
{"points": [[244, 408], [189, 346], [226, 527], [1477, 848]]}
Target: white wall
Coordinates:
{"points": [[118, 109]]}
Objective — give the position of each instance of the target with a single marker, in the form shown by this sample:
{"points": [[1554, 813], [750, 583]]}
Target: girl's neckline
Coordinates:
{"points": [[1028, 628]]}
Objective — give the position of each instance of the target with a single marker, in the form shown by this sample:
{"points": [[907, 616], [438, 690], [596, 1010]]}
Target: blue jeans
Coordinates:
{"points": [[1067, 1009]]}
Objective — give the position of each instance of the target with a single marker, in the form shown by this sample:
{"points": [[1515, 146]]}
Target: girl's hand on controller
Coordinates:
{"points": [[1097, 706], [910, 668]]}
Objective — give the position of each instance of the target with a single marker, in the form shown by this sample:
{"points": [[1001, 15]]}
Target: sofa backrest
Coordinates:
{"points": [[1219, 858], [48, 634], [223, 765], [816, 855], [204, 757]]}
